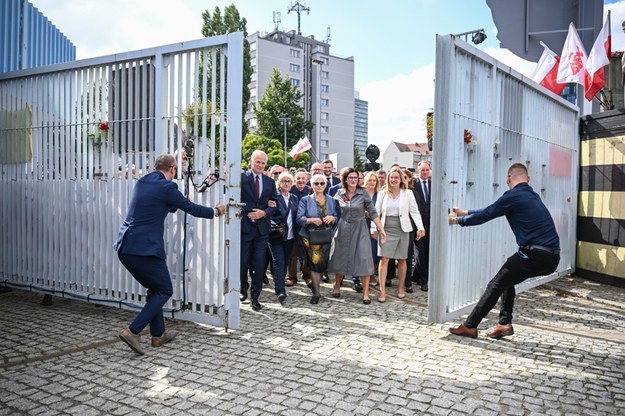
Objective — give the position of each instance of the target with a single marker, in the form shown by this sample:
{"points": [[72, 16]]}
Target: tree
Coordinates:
{"points": [[281, 99], [274, 149], [358, 165], [218, 25]]}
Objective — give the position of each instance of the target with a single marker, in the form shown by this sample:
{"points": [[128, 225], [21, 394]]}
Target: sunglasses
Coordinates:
{"points": [[319, 183]]}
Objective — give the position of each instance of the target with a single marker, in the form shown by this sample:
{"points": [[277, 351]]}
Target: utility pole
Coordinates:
{"points": [[299, 8], [284, 120]]}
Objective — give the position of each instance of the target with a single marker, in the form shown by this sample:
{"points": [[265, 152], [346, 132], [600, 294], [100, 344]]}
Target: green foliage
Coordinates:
{"points": [[274, 149], [216, 25], [279, 100], [358, 164]]}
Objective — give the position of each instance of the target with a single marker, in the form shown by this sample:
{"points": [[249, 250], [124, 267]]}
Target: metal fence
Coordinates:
{"points": [[75, 137], [507, 118]]}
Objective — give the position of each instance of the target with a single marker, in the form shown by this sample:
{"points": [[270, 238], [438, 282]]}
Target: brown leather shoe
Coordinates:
{"points": [[163, 339], [463, 331], [500, 331], [290, 281]]}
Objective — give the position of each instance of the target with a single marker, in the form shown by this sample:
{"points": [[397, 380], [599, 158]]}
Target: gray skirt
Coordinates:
{"points": [[396, 246]]}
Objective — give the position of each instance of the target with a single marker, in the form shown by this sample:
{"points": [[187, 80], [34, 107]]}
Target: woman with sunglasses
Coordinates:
{"points": [[316, 210], [351, 246]]}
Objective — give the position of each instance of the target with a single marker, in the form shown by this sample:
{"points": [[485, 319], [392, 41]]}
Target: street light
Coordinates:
{"points": [[319, 63], [284, 120]]}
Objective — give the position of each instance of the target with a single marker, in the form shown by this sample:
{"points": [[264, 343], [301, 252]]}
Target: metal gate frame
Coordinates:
{"points": [[511, 119], [74, 138]]}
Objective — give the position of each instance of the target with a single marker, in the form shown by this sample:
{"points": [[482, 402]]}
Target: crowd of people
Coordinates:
{"points": [[313, 224]]}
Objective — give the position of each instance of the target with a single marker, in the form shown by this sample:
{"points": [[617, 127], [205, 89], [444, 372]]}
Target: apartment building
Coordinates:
{"points": [[326, 82], [361, 126]]}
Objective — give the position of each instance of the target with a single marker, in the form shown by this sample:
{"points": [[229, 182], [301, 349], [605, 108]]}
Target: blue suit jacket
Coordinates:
{"points": [[152, 199], [248, 197], [308, 209]]}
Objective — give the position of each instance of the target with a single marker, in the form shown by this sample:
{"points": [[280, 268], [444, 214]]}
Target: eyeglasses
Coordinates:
{"points": [[286, 181], [319, 183], [352, 178]]}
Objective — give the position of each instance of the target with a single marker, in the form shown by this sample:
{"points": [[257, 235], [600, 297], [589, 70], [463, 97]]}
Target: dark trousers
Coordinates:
{"points": [[519, 267], [152, 273], [280, 251], [253, 252], [421, 272]]}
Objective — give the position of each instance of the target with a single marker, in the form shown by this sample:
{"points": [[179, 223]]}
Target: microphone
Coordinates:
{"points": [[188, 148], [208, 181]]}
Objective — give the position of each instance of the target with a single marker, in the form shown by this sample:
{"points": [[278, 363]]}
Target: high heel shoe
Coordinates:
{"points": [[336, 294], [401, 295], [366, 301]]}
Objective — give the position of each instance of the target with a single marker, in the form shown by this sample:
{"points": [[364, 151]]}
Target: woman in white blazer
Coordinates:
{"points": [[396, 206]]}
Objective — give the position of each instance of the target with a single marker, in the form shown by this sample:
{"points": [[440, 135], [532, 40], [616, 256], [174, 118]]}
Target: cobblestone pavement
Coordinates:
{"points": [[337, 358]]}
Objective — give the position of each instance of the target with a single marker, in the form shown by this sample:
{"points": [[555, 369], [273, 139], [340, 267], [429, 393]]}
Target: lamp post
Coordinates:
{"points": [[284, 120], [477, 36], [319, 63]]}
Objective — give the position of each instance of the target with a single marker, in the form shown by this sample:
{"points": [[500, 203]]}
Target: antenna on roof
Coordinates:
{"points": [[299, 8], [328, 35], [277, 20]]}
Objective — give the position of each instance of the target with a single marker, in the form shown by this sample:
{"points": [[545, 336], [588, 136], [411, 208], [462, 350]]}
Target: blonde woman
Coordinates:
{"points": [[396, 206], [372, 186]]}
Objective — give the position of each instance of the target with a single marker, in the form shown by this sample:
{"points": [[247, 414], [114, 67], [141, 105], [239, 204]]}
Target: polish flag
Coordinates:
{"points": [[599, 57], [546, 72], [301, 146], [572, 59]]}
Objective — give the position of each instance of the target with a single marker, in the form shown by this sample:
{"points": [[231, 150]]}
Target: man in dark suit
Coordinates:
{"points": [[257, 190], [141, 248], [328, 171], [423, 188]]}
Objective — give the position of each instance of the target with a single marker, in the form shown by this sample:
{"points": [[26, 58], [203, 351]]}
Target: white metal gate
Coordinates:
{"points": [[511, 119], [73, 140]]}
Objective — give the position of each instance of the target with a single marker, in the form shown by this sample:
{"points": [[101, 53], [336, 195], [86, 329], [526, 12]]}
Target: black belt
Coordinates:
{"points": [[542, 248]]}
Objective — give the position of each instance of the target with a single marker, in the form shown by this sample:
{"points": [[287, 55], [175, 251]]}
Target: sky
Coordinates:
{"points": [[392, 42]]}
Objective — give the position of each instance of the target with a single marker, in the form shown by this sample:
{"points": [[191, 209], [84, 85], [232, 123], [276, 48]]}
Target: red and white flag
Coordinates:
{"points": [[301, 146], [546, 72], [599, 57], [572, 59]]}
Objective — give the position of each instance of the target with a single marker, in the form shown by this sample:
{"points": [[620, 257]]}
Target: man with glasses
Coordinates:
{"points": [[141, 248]]}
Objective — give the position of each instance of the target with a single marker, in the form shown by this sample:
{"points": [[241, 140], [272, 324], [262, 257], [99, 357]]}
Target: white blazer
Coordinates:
{"points": [[407, 208]]}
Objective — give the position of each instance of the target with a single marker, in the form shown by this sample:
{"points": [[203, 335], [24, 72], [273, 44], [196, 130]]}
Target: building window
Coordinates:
{"points": [[295, 53], [252, 92], [294, 68], [325, 129], [295, 82], [324, 74], [325, 156], [325, 116], [253, 61], [253, 77], [252, 46], [325, 88], [324, 102], [321, 48], [323, 143]]}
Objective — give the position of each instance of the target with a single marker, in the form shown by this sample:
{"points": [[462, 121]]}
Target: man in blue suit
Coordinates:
{"points": [[257, 190], [141, 248]]}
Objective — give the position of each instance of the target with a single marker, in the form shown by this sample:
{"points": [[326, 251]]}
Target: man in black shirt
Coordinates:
{"points": [[538, 254]]}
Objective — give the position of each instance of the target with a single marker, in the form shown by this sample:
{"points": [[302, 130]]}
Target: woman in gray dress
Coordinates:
{"points": [[396, 206], [351, 247]]}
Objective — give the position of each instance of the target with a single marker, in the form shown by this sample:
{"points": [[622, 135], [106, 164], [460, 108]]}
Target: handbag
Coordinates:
{"points": [[278, 230], [320, 236]]}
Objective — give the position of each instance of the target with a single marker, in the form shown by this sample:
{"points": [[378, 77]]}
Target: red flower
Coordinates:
{"points": [[104, 126], [467, 136], [429, 135]]}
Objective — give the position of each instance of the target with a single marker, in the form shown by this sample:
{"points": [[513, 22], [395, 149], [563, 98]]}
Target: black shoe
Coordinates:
{"points": [[409, 289], [366, 301], [314, 300], [281, 297], [358, 287], [256, 305], [243, 296], [325, 278], [424, 287]]}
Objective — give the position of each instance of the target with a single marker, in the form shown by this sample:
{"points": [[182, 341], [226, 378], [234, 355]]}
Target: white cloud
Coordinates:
{"points": [[397, 107]]}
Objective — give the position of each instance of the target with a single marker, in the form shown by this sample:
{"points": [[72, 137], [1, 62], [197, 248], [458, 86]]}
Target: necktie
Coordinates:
{"points": [[257, 187], [426, 191]]}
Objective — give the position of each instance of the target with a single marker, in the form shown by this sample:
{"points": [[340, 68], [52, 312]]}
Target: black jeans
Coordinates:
{"points": [[519, 267]]}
